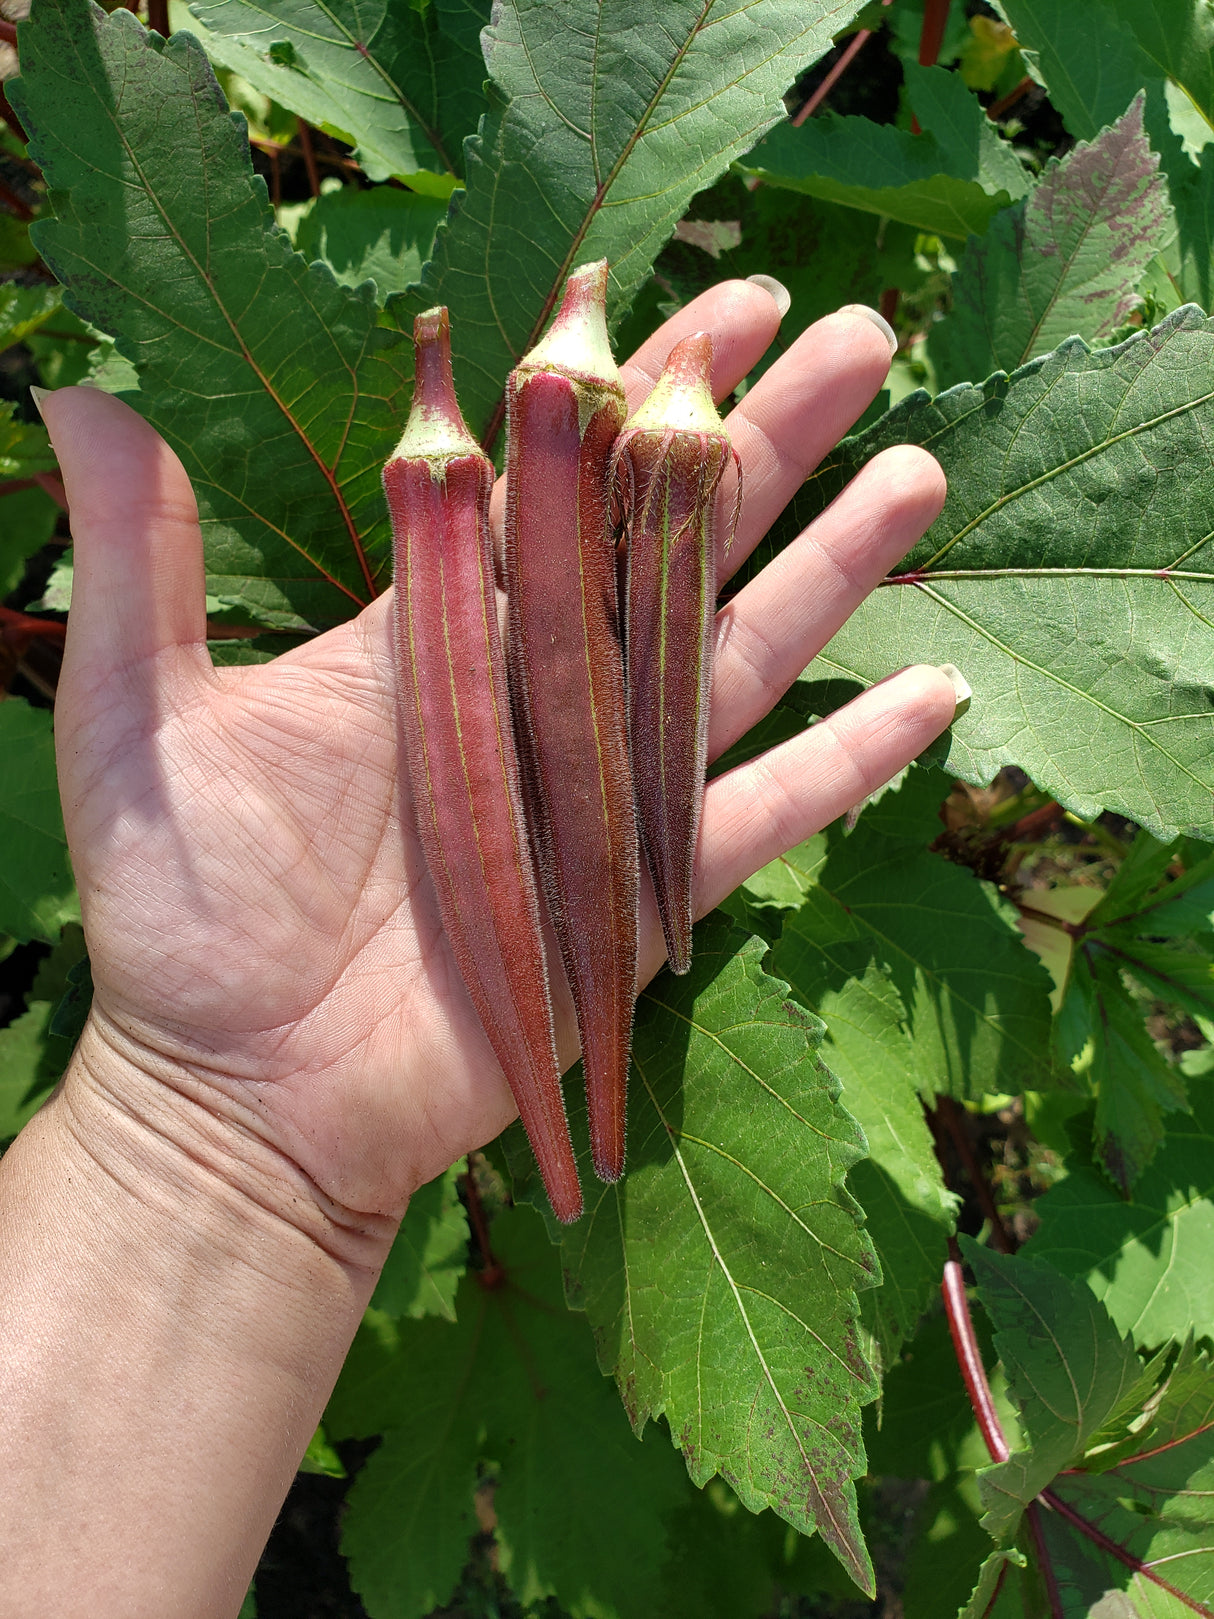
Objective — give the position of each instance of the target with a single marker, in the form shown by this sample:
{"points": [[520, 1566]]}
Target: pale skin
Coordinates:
{"points": [[280, 1048]]}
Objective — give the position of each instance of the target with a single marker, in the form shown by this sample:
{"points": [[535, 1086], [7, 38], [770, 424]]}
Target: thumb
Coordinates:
{"points": [[138, 585]]}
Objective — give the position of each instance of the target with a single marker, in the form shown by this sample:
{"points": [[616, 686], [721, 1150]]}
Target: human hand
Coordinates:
{"points": [[264, 939]]}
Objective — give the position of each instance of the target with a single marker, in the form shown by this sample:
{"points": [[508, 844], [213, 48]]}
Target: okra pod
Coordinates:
{"points": [[459, 746], [669, 462], [564, 408]]}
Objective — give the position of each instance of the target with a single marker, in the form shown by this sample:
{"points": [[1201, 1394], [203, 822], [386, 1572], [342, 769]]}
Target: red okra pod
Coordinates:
{"points": [[460, 749], [564, 408], [669, 461]]}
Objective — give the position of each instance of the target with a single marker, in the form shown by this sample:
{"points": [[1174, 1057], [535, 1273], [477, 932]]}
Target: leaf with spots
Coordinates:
{"points": [[1066, 260], [720, 1276]]}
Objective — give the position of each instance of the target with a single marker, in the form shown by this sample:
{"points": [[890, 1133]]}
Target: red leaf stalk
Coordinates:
{"points": [[564, 408], [935, 20], [463, 767], [670, 460]]}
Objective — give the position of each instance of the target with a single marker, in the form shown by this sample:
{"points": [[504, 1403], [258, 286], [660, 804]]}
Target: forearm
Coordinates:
{"points": [[174, 1310]]}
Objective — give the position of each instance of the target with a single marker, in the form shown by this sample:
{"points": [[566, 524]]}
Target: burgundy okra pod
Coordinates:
{"points": [[564, 408], [459, 745], [669, 463]]}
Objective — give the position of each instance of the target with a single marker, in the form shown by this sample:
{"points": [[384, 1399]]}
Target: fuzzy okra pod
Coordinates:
{"points": [[564, 408], [460, 749], [669, 462]]}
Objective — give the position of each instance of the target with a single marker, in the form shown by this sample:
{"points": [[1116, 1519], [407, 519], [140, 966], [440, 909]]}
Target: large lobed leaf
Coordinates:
{"points": [[270, 381], [401, 82], [720, 1275], [1119, 1456], [601, 127], [277, 388], [1069, 576], [1066, 260], [1095, 58], [612, 1527], [1148, 931], [1147, 1260], [925, 987]]}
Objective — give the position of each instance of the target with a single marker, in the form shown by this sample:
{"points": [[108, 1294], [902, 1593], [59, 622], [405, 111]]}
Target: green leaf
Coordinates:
{"points": [[27, 521], [384, 235], [1103, 1038], [270, 381], [1088, 58], [1147, 1260], [1144, 1525], [976, 1002], [23, 310], [924, 1426], [37, 894], [429, 1256], [320, 1457], [1068, 576], [720, 1275], [601, 127], [909, 1213], [1096, 58], [582, 1509], [950, 180], [24, 446], [1100, 1033], [33, 1054], [946, 1556], [1068, 1369], [400, 83], [1066, 260]]}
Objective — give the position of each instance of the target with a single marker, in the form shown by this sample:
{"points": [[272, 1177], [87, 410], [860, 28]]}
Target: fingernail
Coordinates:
{"points": [[777, 289], [878, 320], [38, 395], [961, 686]]}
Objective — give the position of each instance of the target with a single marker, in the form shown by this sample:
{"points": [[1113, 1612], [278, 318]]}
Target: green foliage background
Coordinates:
{"points": [[762, 1288]]}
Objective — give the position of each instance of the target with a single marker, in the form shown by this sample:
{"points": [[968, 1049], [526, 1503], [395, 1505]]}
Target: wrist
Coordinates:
{"points": [[177, 1305], [192, 1156]]}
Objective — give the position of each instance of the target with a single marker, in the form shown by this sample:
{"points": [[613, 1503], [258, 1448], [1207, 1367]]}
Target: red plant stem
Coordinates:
{"points": [[854, 47], [11, 119], [52, 484], [1045, 1563], [17, 630], [1007, 102], [935, 19], [889, 303], [13, 202], [309, 156], [8, 32], [492, 1272], [158, 17], [965, 1346], [1127, 1559], [852, 50], [952, 1116]]}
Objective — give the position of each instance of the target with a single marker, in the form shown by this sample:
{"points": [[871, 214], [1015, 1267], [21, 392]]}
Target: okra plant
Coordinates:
{"points": [[903, 1301]]}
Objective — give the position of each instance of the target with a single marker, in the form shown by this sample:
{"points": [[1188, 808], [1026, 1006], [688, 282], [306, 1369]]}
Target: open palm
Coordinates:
{"points": [[262, 929]]}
